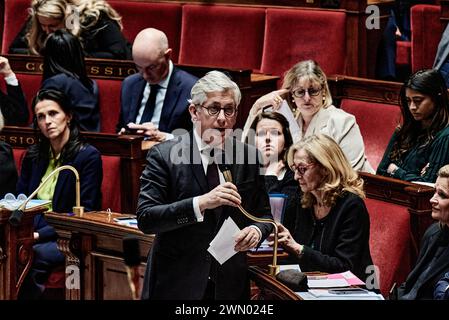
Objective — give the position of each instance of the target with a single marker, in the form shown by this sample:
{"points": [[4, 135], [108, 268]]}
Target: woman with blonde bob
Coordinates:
{"points": [[94, 22], [331, 229]]}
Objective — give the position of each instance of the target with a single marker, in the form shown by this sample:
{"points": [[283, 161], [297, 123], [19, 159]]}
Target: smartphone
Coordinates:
{"points": [[348, 291], [129, 130]]}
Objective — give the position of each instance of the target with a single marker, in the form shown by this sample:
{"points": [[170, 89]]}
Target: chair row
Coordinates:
{"points": [[261, 38]]}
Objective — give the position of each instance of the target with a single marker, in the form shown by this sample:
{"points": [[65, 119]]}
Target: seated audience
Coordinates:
{"points": [[59, 143], [271, 135], [154, 101], [433, 259], [442, 288], [64, 70], [13, 104], [420, 146], [332, 227], [94, 22], [306, 92], [8, 172]]}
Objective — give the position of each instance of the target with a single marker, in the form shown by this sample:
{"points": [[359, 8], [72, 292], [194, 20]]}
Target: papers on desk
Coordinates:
{"points": [[15, 203], [222, 246], [324, 294], [127, 221], [334, 280]]}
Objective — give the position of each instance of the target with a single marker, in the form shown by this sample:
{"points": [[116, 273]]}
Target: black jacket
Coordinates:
{"points": [[179, 264], [344, 241]]}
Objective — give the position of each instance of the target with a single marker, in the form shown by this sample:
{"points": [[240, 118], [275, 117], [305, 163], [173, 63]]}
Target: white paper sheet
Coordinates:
{"points": [[222, 246]]}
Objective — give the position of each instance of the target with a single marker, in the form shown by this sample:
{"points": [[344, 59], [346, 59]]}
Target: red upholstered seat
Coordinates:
{"points": [[293, 35], [31, 84], [390, 242], [18, 157], [140, 15], [109, 91], [426, 34], [15, 17], [111, 186], [403, 53], [222, 36], [377, 122]]}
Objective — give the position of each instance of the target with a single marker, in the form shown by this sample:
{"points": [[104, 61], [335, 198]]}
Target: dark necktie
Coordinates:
{"points": [[150, 105], [212, 174]]}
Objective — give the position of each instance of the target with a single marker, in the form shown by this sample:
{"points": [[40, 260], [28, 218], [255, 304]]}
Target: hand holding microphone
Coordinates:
{"points": [[131, 255]]}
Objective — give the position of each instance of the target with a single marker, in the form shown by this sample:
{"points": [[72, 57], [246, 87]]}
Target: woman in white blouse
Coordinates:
{"points": [[306, 92]]}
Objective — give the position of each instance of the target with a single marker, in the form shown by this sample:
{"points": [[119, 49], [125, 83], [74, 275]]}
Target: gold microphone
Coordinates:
{"points": [[16, 215], [272, 268]]}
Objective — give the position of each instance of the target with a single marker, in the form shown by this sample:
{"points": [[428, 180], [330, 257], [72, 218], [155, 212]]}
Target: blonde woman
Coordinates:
{"points": [[305, 91], [94, 22], [331, 229]]}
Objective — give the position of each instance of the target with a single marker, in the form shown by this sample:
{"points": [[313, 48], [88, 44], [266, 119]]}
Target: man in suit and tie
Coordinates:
{"points": [[154, 101], [184, 200]]}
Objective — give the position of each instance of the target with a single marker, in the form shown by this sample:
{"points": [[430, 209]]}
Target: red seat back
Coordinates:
{"points": [[377, 122], [390, 242], [31, 84], [426, 34], [111, 185], [18, 157], [109, 99], [293, 35], [137, 16], [222, 36], [16, 14]]}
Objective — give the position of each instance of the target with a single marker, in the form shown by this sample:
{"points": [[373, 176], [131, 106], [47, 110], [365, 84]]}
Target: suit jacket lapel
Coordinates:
{"points": [[171, 98], [136, 99]]}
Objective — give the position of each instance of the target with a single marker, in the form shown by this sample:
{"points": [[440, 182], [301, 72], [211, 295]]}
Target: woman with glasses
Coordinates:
{"points": [[331, 229], [273, 139], [306, 92], [420, 145], [94, 22]]}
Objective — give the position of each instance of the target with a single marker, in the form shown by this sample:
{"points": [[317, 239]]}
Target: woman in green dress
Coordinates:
{"points": [[419, 146]]}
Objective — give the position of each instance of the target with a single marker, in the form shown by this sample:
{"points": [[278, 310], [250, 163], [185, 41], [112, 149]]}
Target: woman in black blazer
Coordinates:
{"points": [[331, 231], [433, 259], [59, 143]]}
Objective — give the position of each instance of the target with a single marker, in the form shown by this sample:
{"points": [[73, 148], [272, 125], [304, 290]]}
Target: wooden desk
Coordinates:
{"points": [[93, 244], [16, 252], [268, 287]]}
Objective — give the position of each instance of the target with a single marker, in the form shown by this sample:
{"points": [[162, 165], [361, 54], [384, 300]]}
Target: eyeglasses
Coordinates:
{"points": [[215, 109], [313, 92], [301, 170]]}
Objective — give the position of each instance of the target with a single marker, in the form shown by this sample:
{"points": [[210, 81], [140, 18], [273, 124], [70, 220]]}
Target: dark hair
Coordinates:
{"points": [[63, 54], [39, 151], [288, 140], [429, 82]]}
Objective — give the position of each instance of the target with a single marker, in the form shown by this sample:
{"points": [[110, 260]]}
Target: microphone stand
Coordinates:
{"points": [[16, 215], [273, 269]]}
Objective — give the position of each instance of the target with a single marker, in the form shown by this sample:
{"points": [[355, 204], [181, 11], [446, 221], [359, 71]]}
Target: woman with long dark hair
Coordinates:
{"points": [[420, 146], [59, 143], [64, 70]]}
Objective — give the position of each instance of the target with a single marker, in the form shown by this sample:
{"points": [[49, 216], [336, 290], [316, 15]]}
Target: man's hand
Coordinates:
{"points": [[5, 68], [247, 239], [223, 195], [147, 129]]}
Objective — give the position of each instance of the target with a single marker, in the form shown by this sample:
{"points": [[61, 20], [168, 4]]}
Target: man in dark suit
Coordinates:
{"points": [[182, 205], [154, 101]]}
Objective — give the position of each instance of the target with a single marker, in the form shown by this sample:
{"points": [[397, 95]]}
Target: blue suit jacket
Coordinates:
{"points": [[174, 113], [84, 101], [89, 166]]}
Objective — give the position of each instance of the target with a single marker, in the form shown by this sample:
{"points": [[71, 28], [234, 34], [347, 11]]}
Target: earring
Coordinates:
{"points": [[324, 99]]}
